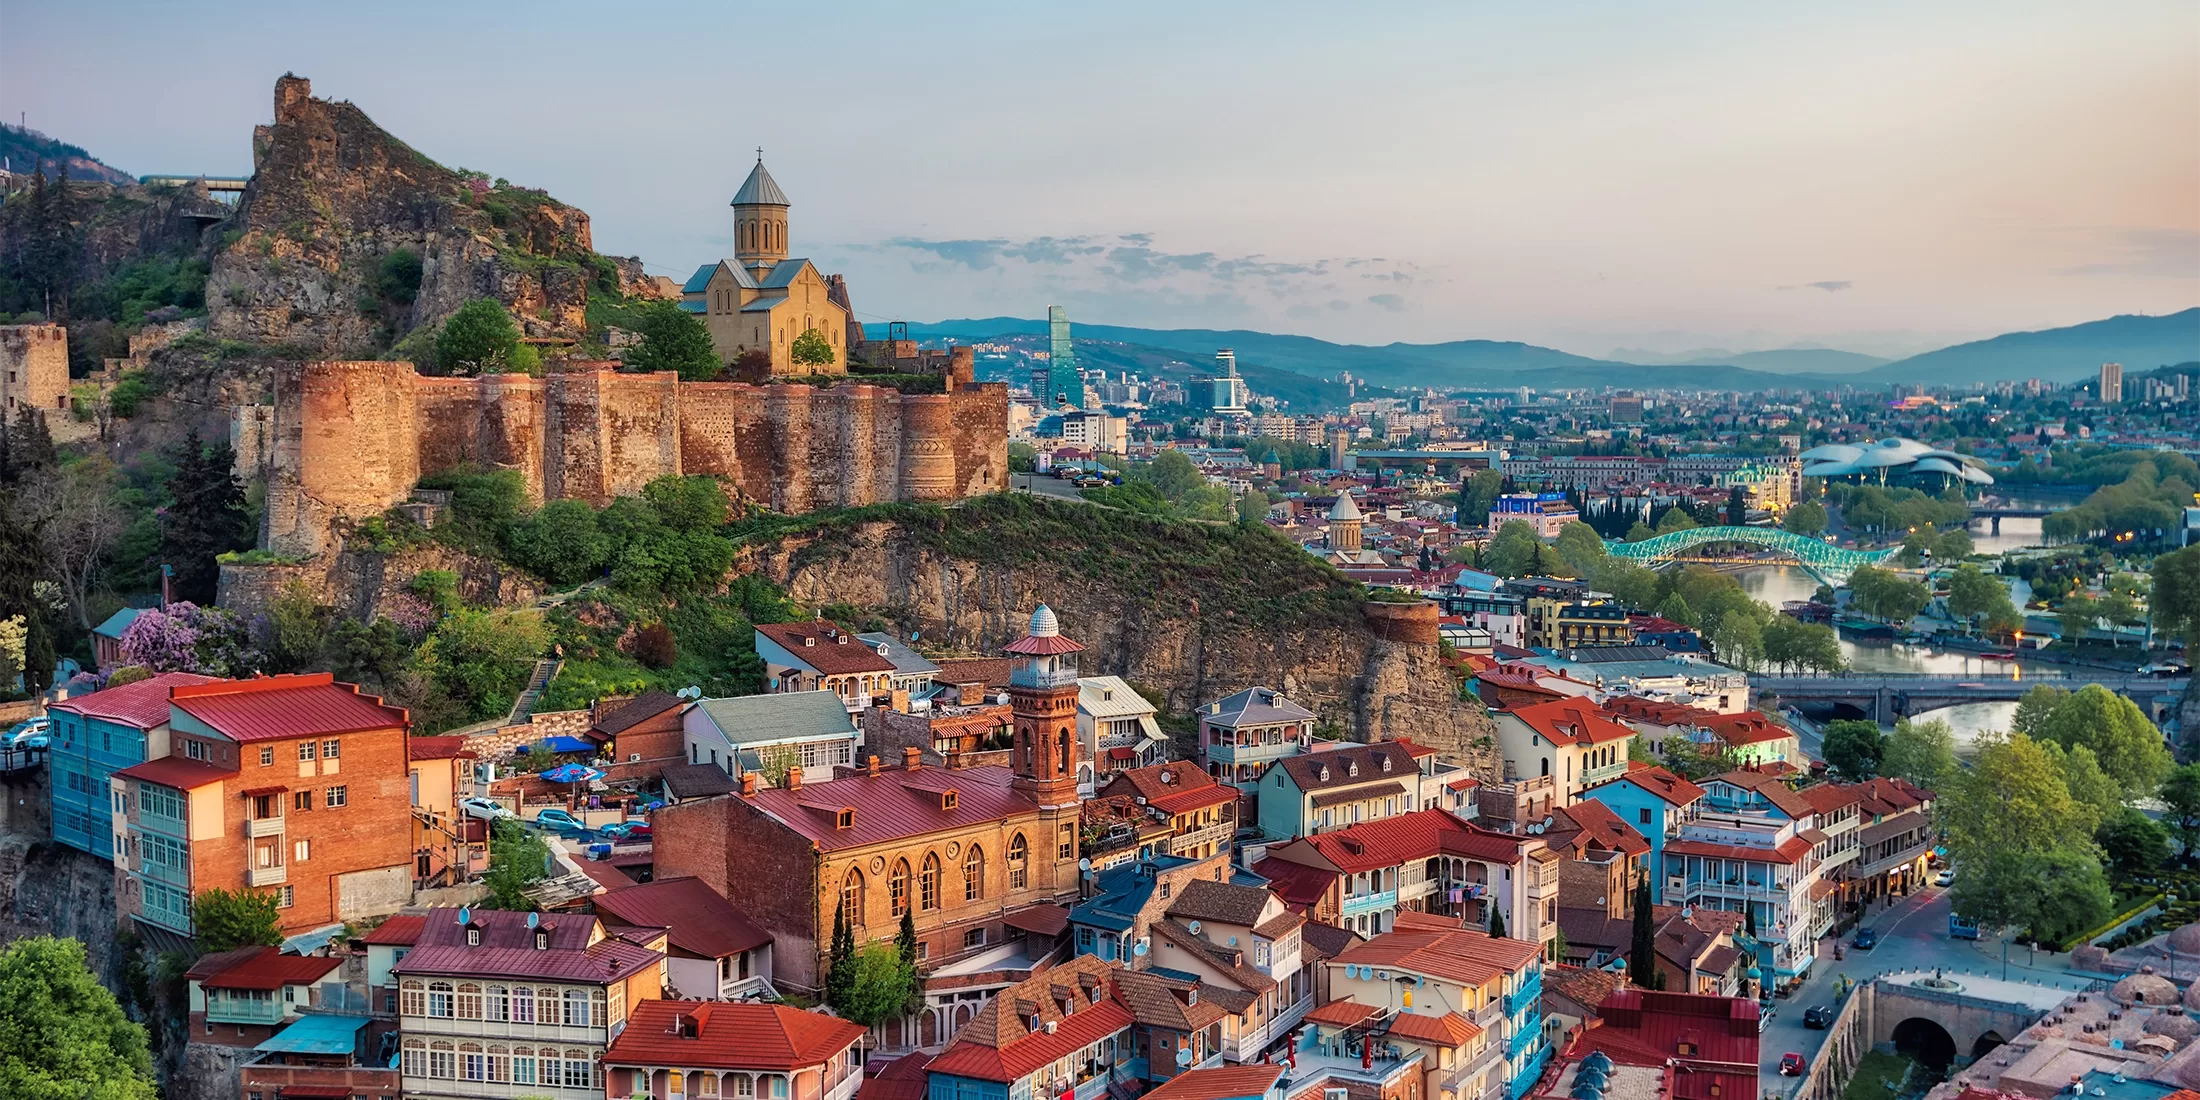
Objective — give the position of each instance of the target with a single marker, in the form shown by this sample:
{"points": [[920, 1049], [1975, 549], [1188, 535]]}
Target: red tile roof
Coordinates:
{"points": [[178, 772], [1220, 1083], [1747, 728], [402, 930], [635, 711], [1828, 797], [143, 704], [903, 1078], [1424, 946], [1596, 825], [1298, 884], [1343, 1012], [1572, 721], [1173, 788], [1772, 787], [730, 1036], [438, 748], [1664, 784], [1389, 841], [1449, 1030], [896, 804], [277, 707], [999, 1044], [826, 646], [1791, 850], [695, 918], [1656, 710], [507, 949], [263, 968], [991, 671], [1646, 1028]]}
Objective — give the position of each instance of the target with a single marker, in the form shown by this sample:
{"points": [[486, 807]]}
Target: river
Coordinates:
{"points": [[1779, 584]]}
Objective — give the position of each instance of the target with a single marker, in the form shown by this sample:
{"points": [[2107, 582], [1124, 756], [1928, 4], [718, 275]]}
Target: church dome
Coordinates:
{"points": [[760, 189], [2148, 989], [1044, 624], [1344, 508]]}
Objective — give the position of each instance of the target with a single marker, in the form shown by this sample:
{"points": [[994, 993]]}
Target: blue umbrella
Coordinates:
{"points": [[572, 773]]}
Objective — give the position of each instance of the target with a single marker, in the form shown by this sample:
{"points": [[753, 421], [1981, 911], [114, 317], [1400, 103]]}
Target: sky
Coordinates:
{"points": [[1880, 177]]}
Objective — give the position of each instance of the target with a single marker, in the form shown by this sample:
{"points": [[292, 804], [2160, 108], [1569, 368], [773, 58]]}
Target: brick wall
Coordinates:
{"points": [[351, 439], [358, 862]]}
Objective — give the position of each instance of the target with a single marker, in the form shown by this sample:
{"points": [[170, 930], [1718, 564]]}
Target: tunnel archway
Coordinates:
{"points": [[1928, 1043], [1986, 1044]]}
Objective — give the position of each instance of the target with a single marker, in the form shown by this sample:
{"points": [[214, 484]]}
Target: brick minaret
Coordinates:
{"points": [[1042, 692]]}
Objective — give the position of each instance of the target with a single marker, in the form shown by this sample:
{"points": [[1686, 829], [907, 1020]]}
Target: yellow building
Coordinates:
{"points": [[1566, 624], [761, 299]]}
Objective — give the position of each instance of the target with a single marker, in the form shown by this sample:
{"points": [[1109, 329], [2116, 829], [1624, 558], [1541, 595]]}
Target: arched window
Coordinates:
{"points": [[1062, 768], [1019, 862], [469, 1001], [576, 1008], [442, 1060], [928, 883], [416, 1058], [851, 898], [413, 1000], [897, 887], [974, 873], [439, 999]]}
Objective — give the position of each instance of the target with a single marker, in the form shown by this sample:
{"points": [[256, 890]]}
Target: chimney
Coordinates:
{"points": [[912, 757], [872, 766], [748, 785], [794, 778]]}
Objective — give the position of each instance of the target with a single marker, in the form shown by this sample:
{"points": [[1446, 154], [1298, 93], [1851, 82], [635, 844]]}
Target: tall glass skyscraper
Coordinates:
{"points": [[1060, 382]]}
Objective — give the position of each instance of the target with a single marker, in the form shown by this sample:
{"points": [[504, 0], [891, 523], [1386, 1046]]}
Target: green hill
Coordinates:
{"points": [[24, 150], [2137, 341]]}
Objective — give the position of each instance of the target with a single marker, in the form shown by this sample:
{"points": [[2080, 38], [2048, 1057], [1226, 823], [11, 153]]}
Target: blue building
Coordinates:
{"points": [[1655, 802], [1111, 925], [95, 736]]}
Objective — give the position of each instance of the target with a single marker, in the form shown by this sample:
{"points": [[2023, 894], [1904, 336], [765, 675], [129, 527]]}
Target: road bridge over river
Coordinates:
{"points": [[1887, 696]]}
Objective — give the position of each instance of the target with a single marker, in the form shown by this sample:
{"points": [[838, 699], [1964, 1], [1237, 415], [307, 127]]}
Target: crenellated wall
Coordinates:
{"points": [[352, 439]]}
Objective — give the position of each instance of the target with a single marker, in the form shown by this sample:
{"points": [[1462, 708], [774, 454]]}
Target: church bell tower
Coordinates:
{"points": [[1042, 693], [759, 221]]}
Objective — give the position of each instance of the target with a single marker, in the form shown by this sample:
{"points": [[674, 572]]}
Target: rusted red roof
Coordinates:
{"points": [[696, 919], [896, 803], [1343, 1012], [1572, 721], [276, 707], [264, 968], [1450, 1029], [1601, 827], [143, 704], [723, 1035], [990, 671], [827, 647], [177, 772], [402, 930], [438, 748], [507, 949], [1220, 1083]]}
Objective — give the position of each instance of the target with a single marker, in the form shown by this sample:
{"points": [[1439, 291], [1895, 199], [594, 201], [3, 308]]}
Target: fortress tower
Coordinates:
{"points": [[759, 222], [1042, 698]]}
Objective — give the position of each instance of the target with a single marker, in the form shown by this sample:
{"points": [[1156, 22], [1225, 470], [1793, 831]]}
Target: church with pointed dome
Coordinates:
{"points": [[759, 298]]}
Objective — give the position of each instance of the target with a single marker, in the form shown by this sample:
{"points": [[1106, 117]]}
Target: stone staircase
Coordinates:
{"points": [[546, 670]]}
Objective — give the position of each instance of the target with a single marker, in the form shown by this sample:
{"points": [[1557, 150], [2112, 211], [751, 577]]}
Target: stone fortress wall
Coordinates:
{"points": [[352, 439]]}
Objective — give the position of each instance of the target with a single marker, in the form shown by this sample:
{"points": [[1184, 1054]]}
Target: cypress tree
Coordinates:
{"points": [[1642, 955], [905, 943], [1497, 923], [208, 517], [841, 978]]}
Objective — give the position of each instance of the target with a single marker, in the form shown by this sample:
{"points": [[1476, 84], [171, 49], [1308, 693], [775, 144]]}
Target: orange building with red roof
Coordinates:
{"points": [[716, 1048], [1574, 741], [293, 785]]}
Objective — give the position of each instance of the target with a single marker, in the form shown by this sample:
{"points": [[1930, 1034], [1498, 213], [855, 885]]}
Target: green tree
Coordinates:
{"points": [[2134, 843], [675, 340], [879, 990], [2079, 614], [905, 954], [1627, 581], [1638, 751], [2013, 799], [1513, 550], [1975, 595], [1854, 748], [62, 1035], [1640, 531], [2180, 796], [397, 277], [1738, 640], [2035, 708], [811, 349], [1675, 607], [297, 629], [1173, 474], [229, 919], [2130, 748], [1477, 495], [1497, 922], [1252, 509], [479, 339], [841, 976], [1581, 548], [518, 858], [2176, 595], [482, 659], [2119, 610], [562, 542], [687, 503], [1642, 952], [207, 517], [1923, 752], [1885, 595], [1675, 518], [1807, 518], [2096, 796], [2053, 894]]}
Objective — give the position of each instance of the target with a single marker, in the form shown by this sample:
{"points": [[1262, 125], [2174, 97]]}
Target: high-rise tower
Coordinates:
{"points": [[759, 221], [1063, 382], [1042, 698], [2112, 384]]}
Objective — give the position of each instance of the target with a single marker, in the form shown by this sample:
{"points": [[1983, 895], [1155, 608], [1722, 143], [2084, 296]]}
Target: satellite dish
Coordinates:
{"points": [[1139, 950], [1193, 928]]}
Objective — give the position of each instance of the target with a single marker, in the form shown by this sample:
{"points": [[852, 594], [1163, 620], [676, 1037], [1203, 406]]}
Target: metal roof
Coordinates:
{"points": [[897, 804], [784, 716], [904, 659], [1255, 706], [317, 1034], [694, 307], [113, 625], [699, 281], [143, 704], [273, 707], [696, 918], [784, 272], [759, 189]]}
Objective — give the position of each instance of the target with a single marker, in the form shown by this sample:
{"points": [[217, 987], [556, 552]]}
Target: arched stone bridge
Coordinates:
{"points": [[1886, 696], [1944, 1026], [1827, 562]]}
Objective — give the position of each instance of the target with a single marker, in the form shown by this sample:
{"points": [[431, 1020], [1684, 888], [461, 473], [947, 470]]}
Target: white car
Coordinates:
{"points": [[33, 734], [488, 809], [1945, 878]]}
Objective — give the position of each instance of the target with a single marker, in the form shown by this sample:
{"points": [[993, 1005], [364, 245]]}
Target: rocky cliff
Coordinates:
{"points": [[1189, 612], [333, 195]]}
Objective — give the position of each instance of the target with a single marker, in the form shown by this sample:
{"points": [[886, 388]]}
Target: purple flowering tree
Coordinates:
{"points": [[185, 637]]}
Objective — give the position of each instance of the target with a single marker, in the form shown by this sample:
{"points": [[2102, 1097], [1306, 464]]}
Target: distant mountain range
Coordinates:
{"points": [[25, 151], [2137, 341]]}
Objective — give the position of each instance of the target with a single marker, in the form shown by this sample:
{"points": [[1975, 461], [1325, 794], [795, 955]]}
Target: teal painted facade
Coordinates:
{"points": [[87, 752], [1649, 814], [160, 831]]}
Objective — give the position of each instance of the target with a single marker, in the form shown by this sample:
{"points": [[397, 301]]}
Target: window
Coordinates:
{"points": [[523, 1066], [851, 898], [1084, 941], [416, 1057], [194, 748], [286, 896], [301, 851], [335, 796], [897, 887], [523, 1007], [576, 1008], [1065, 841], [498, 1004], [267, 755], [1019, 875], [414, 999], [439, 1000], [739, 1085], [469, 1005], [473, 1066], [974, 873], [441, 1060], [1643, 815], [301, 800], [974, 937], [329, 749], [305, 750], [928, 883], [579, 1069]]}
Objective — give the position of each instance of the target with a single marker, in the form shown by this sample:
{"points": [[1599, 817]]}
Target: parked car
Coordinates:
{"points": [[1867, 938], [35, 733], [631, 829], [1947, 877], [1791, 1064], [487, 809], [560, 821], [1818, 1017]]}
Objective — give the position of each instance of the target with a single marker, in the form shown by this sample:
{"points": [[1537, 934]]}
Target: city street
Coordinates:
{"points": [[1913, 936]]}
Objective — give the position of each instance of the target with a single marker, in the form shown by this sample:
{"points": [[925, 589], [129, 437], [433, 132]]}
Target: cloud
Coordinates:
{"points": [[1830, 286], [975, 255], [1339, 304], [1391, 302], [2159, 251]]}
